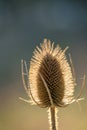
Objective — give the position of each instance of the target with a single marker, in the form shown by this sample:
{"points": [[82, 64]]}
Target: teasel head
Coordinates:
{"points": [[50, 77], [51, 81]]}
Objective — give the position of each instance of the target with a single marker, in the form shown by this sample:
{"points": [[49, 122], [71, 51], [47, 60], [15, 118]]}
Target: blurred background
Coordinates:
{"points": [[23, 25]]}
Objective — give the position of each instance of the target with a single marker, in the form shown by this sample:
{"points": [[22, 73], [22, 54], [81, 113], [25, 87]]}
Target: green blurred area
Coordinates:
{"points": [[23, 26]]}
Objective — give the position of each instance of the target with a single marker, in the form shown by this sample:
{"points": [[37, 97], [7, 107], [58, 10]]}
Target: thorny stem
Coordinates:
{"points": [[53, 118]]}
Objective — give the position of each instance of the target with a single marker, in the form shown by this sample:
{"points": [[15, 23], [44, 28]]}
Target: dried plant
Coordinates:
{"points": [[51, 81]]}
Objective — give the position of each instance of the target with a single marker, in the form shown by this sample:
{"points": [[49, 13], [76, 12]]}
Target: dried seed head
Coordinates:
{"points": [[50, 76]]}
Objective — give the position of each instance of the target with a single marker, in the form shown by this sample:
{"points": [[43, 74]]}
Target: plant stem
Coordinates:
{"points": [[53, 118]]}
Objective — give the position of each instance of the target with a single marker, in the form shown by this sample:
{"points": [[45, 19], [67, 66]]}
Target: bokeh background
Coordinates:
{"points": [[23, 25]]}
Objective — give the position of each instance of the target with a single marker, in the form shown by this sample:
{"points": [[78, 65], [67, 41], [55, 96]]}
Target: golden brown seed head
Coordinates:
{"points": [[51, 64]]}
